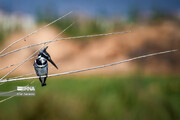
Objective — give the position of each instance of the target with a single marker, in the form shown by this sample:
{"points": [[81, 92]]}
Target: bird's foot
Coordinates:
{"points": [[43, 84]]}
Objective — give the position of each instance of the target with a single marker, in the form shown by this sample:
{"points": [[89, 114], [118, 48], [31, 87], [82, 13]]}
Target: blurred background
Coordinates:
{"points": [[144, 89]]}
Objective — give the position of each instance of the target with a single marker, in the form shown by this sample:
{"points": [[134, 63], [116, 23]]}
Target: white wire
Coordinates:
{"points": [[14, 64], [34, 32], [68, 38], [107, 65]]}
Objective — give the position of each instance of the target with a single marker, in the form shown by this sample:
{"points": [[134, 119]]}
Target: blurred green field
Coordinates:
{"points": [[134, 97]]}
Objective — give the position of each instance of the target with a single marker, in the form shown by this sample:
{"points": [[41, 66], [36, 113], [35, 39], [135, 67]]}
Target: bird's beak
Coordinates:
{"points": [[45, 47], [52, 63]]}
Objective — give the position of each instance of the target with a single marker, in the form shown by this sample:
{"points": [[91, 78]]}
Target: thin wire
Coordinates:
{"points": [[21, 76], [7, 99], [68, 38], [8, 92], [34, 32], [13, 64], [107, 65]]}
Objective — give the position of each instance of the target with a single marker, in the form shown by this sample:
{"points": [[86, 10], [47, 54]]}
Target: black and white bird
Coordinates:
{"points": [[41, 65]]}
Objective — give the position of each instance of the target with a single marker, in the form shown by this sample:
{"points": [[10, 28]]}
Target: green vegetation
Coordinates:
{"points": [[133, 97], [83, 27], [3, 35]]}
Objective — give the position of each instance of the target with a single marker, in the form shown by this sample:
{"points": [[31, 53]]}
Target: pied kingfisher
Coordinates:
{"points": [[41, 65]]}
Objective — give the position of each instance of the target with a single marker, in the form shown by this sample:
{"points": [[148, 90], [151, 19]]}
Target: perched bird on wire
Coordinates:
{"points": [[41, 65]]}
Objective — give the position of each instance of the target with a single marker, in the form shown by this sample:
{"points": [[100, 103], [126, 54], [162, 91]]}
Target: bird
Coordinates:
{"points": [[41, 65]]}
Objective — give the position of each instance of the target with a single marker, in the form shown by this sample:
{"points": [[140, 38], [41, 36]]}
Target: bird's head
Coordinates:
{"points": [[45, 54]]}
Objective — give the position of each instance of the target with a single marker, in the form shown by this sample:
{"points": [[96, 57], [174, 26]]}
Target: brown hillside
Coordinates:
{"points": [[71, 55]]}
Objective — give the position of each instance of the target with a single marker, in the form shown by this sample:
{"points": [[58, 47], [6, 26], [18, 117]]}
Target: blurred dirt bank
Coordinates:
{"points": [[71, 55]]}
